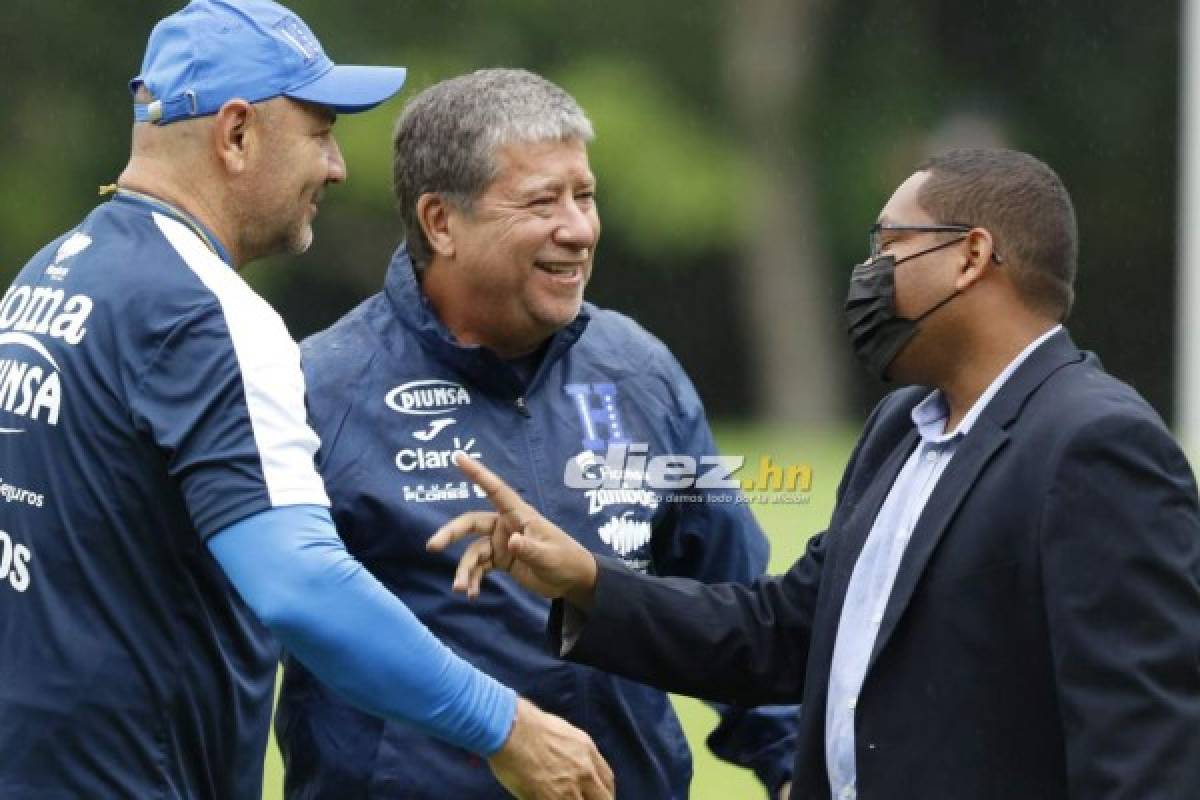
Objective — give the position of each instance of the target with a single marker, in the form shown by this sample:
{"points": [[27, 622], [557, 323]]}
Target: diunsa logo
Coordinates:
{"points": [[428, 397]]}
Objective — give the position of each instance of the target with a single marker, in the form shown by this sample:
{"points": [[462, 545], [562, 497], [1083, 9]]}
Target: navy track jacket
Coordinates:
{"points": [[392, 396]]}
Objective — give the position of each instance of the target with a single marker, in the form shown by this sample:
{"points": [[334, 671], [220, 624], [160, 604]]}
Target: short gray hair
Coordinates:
{"points": [[447, 136]]}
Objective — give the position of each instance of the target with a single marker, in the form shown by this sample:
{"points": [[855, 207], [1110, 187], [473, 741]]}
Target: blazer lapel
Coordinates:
{"points": [[988, 435], [854, 529], [959, 477]]}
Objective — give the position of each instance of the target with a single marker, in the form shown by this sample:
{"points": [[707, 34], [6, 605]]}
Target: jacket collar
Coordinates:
{"points": [[154, 204], [412, 308], [1055, 353]]}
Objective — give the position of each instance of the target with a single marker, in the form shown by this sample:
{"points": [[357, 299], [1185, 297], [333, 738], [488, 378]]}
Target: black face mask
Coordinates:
{"points": [[877, 333]]}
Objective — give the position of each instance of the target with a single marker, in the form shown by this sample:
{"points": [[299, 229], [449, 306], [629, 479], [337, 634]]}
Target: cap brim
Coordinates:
{"points": [[350, 89]]}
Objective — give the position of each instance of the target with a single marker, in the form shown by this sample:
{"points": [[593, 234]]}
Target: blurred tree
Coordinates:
{"points": [[1089, 87], [772, 52], [743, 149]]}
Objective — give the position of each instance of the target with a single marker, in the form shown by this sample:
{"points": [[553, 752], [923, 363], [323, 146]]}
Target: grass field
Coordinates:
{"points": [[788, 525]]}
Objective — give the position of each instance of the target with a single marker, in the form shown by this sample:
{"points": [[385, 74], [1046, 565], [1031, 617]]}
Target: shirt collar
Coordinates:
{"points": [[179, 215], [929, 416]]}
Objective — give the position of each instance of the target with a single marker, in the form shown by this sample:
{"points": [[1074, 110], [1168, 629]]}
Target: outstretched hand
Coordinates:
{"points": [[545, 758], [517, 539]]}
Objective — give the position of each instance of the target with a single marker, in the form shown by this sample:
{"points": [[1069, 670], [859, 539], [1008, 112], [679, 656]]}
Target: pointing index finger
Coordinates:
{"points": [[499, 494]]}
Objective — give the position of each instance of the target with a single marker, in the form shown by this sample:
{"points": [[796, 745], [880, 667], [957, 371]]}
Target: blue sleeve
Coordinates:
{"points": [[291, 568], [716, 541]]}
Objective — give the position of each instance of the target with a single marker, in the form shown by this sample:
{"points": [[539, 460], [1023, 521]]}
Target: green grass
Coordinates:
{"points": [[788, 525]]}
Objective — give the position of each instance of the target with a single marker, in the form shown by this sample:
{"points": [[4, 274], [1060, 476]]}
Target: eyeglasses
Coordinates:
{"points": [[879, 228]]}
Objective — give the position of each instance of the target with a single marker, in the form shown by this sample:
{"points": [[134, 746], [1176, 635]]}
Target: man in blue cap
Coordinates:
{"points": [[166, 517]]}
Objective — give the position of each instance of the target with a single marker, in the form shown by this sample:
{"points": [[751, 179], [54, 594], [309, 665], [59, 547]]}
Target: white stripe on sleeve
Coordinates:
{"points": [[269, 361]]}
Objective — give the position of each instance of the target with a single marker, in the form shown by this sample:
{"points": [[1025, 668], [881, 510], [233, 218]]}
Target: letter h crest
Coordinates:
{"points": [[597, 407]]}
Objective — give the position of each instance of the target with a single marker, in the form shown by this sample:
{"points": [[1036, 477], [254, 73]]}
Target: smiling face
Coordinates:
{"points": [[299, 157], [513, 267]]}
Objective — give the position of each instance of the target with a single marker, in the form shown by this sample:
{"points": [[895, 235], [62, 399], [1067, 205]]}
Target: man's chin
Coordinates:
{"points": [[560, 315], [299, 243]]}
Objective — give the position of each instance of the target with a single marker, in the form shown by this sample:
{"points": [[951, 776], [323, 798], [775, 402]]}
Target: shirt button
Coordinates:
{"points": [[847, 793], [931, 456], [876, 620], [853, 704]]}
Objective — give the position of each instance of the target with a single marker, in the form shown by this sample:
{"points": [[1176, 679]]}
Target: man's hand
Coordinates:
{"points": [[547, 759], [518, 540]]}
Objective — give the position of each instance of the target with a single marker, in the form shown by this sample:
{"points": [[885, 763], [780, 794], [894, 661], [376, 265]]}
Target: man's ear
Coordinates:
{"points": [[234, 132], [979, 250], [433, 213]]}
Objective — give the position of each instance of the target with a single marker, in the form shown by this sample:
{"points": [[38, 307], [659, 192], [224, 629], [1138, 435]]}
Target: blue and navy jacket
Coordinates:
{"points": [[392, 396]]}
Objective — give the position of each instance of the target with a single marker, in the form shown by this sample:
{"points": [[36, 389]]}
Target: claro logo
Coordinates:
{"points": [[14, 563], [428, 398]]}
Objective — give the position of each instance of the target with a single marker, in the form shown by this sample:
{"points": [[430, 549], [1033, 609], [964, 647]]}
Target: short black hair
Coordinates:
{"points": [[1024, 205]]}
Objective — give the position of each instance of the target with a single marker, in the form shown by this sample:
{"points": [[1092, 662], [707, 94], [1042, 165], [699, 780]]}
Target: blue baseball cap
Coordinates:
{"points": [[212, 51]]}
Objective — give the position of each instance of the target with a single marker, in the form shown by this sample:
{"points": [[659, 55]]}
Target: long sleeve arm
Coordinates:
{"points": [[291, 568], [746, 645]]}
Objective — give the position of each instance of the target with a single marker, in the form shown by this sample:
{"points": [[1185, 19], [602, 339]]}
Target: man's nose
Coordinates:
{"points": [[580, 227], [337, 165]]}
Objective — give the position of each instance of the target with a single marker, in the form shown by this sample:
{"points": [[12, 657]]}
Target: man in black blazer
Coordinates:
{"points": [[1006, 603]]}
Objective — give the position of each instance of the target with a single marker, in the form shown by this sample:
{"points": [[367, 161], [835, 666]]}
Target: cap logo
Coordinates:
{"points": [[294, 34]]}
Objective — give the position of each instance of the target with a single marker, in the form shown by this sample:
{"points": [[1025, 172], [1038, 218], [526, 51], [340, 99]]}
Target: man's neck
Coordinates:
{"points": [[976, 371], [459, 316], [192, 202]]}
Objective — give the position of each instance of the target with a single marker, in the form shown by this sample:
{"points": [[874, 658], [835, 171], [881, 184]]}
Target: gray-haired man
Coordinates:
{"points": [[481, 342], [170, 518]]}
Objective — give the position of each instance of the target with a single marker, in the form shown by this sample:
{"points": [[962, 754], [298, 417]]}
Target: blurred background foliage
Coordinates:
{"points": [[744, 146]]}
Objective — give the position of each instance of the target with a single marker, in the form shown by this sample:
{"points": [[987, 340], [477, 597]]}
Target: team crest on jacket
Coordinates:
{"points": [[598, 411]]}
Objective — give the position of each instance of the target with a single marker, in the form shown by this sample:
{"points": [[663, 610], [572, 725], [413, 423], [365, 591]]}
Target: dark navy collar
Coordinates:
{"points": [[1052, 354], [410, 305], [134, 197]]}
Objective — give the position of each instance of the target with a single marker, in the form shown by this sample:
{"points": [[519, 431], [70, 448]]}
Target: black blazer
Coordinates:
{"points": [[1042, 639]]}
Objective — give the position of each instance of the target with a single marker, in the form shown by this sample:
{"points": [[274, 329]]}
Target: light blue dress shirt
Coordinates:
{"points": [[875, 572]]}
